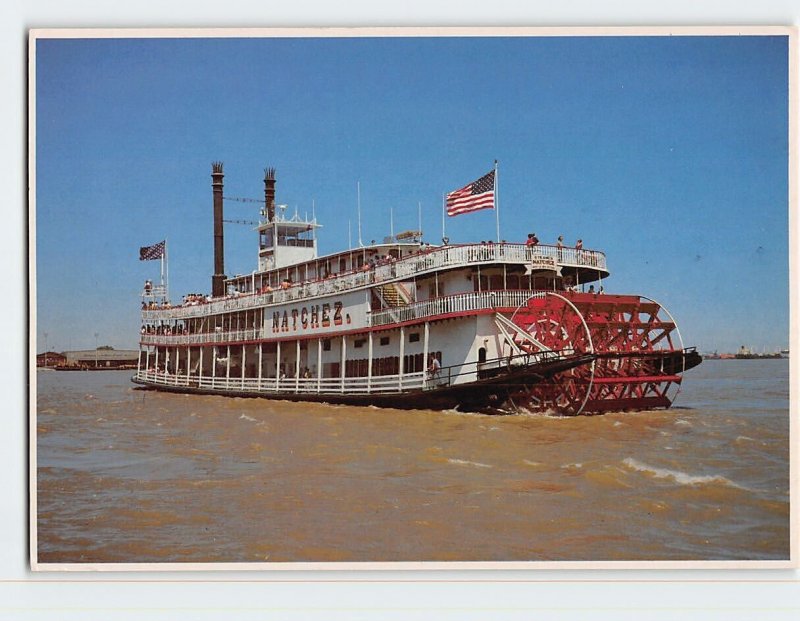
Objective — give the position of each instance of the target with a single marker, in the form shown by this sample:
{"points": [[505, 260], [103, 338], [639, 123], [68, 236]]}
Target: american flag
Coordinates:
{"points": [[472, 197], [149, 253]]}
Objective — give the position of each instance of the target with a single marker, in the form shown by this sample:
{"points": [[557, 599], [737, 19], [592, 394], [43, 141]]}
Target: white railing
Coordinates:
{"points": [[451, 304], [416, 265], [231, 336], [448, 305], [269, 385]]}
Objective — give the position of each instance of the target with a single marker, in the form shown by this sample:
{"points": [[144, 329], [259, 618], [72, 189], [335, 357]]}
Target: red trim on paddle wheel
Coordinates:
{"points": [[631, 336]]}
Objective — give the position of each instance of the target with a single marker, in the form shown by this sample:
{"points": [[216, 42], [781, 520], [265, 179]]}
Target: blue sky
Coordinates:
{"points": [[668, 153]]}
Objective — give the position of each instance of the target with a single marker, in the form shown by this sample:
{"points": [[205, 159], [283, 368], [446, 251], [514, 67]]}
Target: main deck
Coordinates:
{"points": [[470, 386]]}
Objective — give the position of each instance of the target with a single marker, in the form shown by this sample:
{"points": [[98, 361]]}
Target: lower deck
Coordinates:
{"points": [[472, 387]]}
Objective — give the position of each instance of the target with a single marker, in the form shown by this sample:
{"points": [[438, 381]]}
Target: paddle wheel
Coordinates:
{"points": [[638, 346]]}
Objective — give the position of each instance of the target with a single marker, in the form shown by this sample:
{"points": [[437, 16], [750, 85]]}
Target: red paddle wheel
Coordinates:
{"points": [[637, 343]]}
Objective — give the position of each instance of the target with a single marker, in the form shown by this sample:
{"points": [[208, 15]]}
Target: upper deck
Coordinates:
{"points": [[584, 265]]}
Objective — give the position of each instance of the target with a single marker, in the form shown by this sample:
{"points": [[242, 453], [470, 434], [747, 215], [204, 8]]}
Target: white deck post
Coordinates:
{"points": [[401, 366], [147, 359], [278, 365], [177, 360], [425, 337], [319, 364], [260, 363], [244, 360], [228, 368], [369, 364], [156, 364], [297, 366], [200, 367], [214, 366], [343, 359], [188, 363]]}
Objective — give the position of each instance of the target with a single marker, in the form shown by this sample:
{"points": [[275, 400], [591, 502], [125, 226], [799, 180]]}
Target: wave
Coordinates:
{"points": [[682, 478], [464, 462], [534, 464], [246, 417]]}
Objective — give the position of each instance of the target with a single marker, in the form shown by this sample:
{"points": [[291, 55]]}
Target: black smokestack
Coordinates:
{"points": [[218, 279], [269, 192]]}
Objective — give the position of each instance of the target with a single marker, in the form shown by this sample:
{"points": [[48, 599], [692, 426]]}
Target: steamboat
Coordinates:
{"points": [[487, 326]]}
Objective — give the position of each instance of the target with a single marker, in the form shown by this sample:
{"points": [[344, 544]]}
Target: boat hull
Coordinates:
{"points": [[487, 394]]}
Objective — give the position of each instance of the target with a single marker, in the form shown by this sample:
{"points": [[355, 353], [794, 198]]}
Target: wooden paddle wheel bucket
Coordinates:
{"points": [[637, 343]]}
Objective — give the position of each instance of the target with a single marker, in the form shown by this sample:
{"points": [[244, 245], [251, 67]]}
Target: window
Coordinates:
{"points": [[359, 343], [326, 345], [384, 340], [413, 337]]}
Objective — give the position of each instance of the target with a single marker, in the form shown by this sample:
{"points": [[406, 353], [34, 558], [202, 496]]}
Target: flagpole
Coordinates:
{"points": [[165, 269], [444, 208], [496, 203]]}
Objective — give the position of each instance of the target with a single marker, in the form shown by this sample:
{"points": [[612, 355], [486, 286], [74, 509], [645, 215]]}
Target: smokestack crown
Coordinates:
{"points": [[269, 192]]}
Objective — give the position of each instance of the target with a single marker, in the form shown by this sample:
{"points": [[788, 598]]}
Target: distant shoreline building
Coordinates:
{"points": [[104, 357]]}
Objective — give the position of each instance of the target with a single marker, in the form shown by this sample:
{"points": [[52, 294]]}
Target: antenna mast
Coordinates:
{"points": [[358, 205]]}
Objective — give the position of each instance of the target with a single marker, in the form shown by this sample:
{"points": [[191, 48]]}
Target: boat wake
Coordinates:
{"points": [[681, 478], [464, 462]]}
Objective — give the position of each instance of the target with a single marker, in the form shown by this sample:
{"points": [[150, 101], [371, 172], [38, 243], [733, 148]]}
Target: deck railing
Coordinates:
{"points": [[231, 336], [450, 305], [428, 261], [378, 384], [447, 305]]}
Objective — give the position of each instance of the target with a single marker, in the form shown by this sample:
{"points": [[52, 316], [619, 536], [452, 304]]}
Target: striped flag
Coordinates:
{"points": [[472, 197], [149, 253]]}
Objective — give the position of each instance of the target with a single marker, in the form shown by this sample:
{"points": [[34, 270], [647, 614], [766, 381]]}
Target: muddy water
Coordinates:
{"points": [[127, 475]]}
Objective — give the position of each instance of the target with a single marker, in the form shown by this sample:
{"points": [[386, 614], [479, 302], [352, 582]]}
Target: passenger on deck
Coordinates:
{"points": [[579, 245], [434, 367], [532, 240], [591, 288]]}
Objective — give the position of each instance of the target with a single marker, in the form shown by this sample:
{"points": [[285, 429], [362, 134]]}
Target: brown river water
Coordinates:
{"points": [[129, 475]]}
